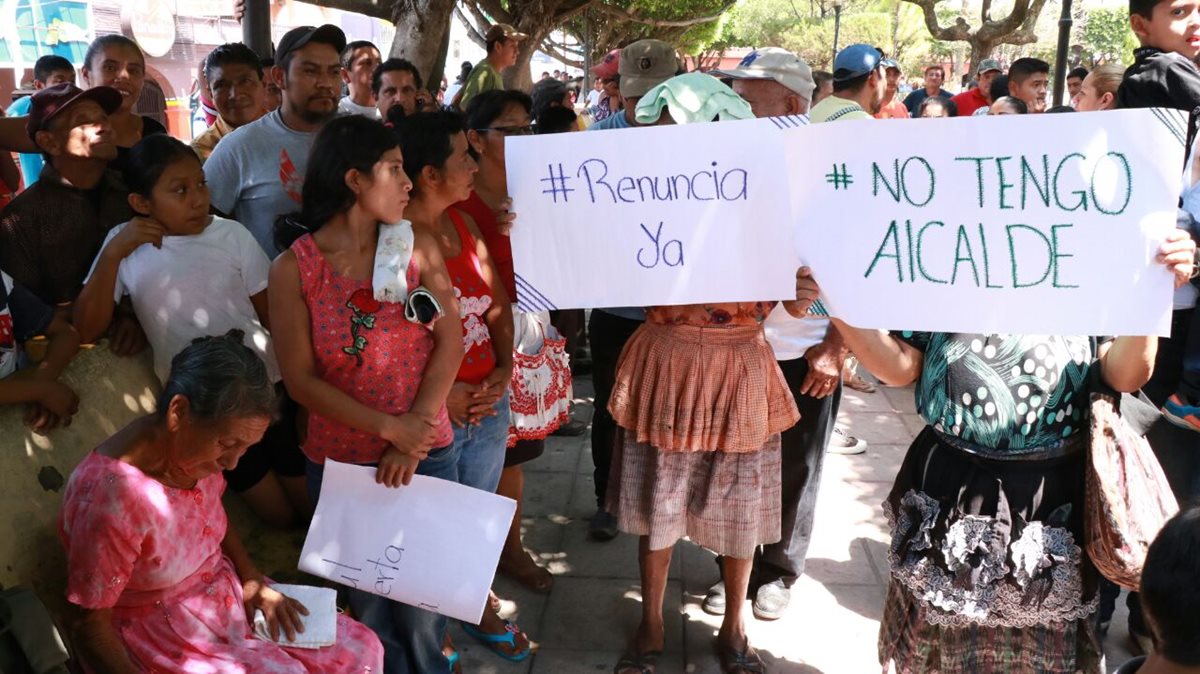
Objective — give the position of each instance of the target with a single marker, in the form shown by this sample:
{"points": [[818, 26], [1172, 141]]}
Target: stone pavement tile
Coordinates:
{"points": [[559, 661], [857, 401], [699, 569], [915, 423], [583, 498], [836, 560], [598, 614], [542, 538], [561, 456], [901, 398], [852, 509], [618, 558], [875, 427], [546, 494], [880, 463]]}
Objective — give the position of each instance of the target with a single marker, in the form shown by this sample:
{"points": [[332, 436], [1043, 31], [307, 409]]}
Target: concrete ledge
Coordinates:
{"points": [[34, 469]]}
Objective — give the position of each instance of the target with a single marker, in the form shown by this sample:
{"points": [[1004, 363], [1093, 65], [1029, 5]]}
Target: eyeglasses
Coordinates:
{"points": [[526, 130]]}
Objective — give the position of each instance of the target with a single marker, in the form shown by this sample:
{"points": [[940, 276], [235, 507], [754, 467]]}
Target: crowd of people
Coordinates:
{"points": [[327, 276]]}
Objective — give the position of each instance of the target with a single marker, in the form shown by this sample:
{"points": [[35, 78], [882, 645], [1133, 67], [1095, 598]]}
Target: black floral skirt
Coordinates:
{"points": [[987, 568]]}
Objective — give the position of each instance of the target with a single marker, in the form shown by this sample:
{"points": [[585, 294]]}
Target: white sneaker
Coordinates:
{"points": [[841, 443]]}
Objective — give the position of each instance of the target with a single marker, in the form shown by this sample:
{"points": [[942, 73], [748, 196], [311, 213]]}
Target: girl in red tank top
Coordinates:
{"points": [[374, 383]]}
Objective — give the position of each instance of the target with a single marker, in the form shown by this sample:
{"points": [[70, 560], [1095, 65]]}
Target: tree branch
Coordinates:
{"points": [[472, 29], [960, 30], [378, 9], [493, 8], [551, 49], [659, 23]]}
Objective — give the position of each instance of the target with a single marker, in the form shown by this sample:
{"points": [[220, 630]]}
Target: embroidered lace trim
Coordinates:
{"points": [[986, 581]]}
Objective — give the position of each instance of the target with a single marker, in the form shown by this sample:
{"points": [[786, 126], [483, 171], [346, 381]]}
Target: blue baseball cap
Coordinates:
{"points": [[855, 61]]}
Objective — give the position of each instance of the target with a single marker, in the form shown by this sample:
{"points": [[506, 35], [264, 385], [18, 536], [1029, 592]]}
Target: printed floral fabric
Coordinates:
{"points": [[1004, 392], [365, 348], [711, 315], [152, 554]]}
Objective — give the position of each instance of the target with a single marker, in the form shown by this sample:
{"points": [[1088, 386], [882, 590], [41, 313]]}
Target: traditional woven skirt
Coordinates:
{"points": [[690, 388], [987, 570], [700, 411], [727, 502]]}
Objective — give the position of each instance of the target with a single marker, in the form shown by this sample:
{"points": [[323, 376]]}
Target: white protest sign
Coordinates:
{"points": [[1030, 224], [652, 216], [433, 543]]}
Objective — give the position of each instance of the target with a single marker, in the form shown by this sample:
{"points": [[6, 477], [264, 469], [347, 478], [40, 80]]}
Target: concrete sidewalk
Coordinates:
{"points": [[584, 624]]}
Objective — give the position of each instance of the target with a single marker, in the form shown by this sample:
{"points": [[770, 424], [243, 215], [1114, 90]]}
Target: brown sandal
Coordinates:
{"points": [[640, 663], [744, 661]]}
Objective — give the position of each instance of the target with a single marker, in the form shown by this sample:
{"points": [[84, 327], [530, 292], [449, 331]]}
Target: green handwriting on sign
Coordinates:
{"points": [[1068, 183], [1024, 257]]}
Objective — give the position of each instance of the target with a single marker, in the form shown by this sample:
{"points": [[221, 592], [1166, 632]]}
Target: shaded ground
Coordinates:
{"points": [[584, 624]]}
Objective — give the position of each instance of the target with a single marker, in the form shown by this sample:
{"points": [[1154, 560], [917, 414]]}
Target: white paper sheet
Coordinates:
{"points": [[433, 544], [664, 215], [1030, 224], [320, 625]]}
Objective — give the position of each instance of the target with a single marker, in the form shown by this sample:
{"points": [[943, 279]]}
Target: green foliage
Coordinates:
{"points": [[806, 27], [1106, 36]]}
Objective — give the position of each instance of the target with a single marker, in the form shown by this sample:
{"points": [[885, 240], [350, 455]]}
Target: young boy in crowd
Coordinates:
{"points": [[48, 71], [22, 317], [1170, 593], [1163, 74]]}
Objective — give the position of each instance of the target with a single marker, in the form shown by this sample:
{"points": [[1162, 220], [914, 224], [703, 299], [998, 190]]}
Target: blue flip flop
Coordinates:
{"points": [[453, 659], [493, 641]]}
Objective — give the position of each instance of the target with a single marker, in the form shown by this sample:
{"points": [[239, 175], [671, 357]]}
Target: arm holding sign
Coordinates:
{"points": [[893, 361]]}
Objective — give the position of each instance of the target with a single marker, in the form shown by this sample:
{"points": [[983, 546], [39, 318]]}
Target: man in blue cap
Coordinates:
{"points": [[859, 84]]}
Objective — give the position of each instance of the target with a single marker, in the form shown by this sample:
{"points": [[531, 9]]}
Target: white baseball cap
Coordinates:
{"points": [[773, 63]]}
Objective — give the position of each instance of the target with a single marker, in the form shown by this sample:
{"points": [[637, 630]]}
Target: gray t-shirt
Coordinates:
{"points": [[256, 173]]}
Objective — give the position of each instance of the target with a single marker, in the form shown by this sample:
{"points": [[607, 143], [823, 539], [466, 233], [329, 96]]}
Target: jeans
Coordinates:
{"points": [[481, 449], [802, 450], [412, 637], [1189, 383], [607, 335]]}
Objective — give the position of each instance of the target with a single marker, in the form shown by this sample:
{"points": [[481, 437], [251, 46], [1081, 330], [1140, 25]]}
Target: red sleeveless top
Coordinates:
{"points": [[498, 245], [474, 299], [365, 348]]}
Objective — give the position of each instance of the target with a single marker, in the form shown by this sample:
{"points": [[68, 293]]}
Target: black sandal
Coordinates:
{"points": [[746, 661], [642, 663]]}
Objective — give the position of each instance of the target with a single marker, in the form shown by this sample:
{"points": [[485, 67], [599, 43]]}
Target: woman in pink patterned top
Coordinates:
{"points": [[374, 382], [162, 583]]}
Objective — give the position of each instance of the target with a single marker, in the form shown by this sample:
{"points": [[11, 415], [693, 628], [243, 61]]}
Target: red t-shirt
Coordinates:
{"points": [[969, 101], [893, 110], [498, 245], [474, 300]]}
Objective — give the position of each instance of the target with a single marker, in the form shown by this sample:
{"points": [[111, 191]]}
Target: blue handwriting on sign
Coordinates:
{"points": [[669, 252], [704, 185]]}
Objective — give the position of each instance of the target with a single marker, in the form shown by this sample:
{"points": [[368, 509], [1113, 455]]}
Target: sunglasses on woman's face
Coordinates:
{"points": [[526, 130]]}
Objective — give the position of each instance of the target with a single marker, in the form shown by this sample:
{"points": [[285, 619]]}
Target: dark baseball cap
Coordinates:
{"points": [[298, 37], [855, 61], [46, 104]]}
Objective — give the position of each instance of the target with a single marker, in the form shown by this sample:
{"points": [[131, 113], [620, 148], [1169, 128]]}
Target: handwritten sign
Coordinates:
{"points": [[1044, 224], [433, 544], [646, 216]]}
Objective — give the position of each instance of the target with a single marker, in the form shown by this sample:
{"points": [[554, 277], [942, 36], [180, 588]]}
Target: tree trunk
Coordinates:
{"points": [[421, 28], [980, 50]]}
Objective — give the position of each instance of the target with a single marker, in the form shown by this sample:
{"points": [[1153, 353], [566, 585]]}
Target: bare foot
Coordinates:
{"points": [[526, 572]]}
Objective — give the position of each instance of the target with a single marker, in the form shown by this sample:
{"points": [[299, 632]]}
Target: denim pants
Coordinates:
{"points": [[481, 449], [412, 637]]}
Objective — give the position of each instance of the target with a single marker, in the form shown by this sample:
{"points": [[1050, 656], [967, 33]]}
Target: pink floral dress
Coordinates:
{"points": [[152, 554]]}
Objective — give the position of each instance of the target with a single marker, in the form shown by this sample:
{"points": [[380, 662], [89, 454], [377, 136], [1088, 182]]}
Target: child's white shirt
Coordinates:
{"points": [[196, 286]]}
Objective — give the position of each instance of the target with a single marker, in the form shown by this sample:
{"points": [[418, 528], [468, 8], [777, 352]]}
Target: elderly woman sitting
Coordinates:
{"points": [[161, 582]]}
